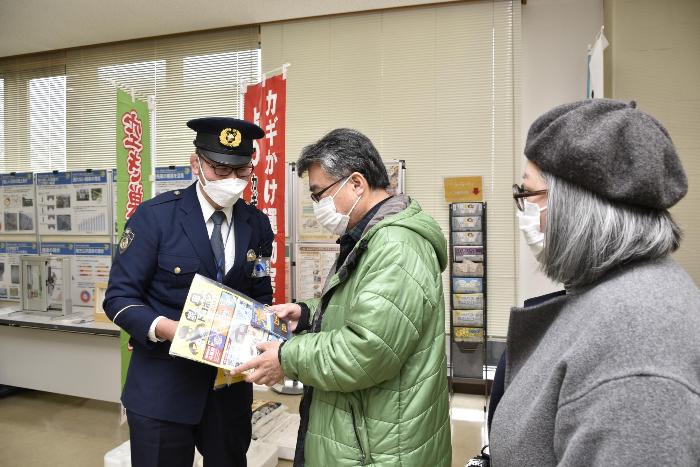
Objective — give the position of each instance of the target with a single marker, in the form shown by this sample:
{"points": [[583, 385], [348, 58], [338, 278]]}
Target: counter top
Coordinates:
{"points": [[79, 322]]}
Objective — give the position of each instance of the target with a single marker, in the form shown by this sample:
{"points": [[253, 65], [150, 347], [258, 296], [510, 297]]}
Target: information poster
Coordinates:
{"points": [[56, 274], [395, 171], [173, 178], [73, 203], [464, 189], [313, 263], [90, 210], [17, 195], [91, 263], [10, 274]]}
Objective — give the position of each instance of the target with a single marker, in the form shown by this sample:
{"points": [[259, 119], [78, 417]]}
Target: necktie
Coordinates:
{"points": [[217, 244]]}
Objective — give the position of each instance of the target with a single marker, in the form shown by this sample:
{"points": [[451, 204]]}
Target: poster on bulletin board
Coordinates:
{"points": [[91, 264], [10, 267], [72, 203], [173, 178], [17, 206], [314, 262]]}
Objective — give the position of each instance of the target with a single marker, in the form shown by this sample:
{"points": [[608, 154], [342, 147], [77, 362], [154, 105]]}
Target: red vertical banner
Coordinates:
{"points": [[265, 105]]}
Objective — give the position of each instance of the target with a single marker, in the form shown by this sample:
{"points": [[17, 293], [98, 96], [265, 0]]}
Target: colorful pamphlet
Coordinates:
{"points": [[467, 209], [467, 285], [462, 224], [473, 301], [473, 318], [468, 334], [222, 327], [468, 268]]}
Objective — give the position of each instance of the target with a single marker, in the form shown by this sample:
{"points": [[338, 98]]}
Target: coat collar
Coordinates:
{"points": [[526, 327]]}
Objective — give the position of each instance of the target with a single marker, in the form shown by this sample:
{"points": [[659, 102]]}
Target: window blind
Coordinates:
{"points": [[32, 120], [435, 86], [59, 108]]}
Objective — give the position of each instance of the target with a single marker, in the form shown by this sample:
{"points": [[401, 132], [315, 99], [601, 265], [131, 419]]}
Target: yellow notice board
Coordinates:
{"points": [[460, 189]]}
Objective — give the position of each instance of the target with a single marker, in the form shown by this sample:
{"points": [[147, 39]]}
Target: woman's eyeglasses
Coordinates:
{"points": [[520, 193]]}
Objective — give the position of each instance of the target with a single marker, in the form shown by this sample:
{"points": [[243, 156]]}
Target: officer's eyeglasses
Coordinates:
{"points": [[316, 197], [520, 193], [226, 170]]}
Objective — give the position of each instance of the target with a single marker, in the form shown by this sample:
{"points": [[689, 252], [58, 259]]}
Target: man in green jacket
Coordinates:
{"points": [[371, 351]]}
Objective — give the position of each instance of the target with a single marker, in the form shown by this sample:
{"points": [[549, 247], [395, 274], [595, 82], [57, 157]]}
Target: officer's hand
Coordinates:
{"points": [[166, 328], [289, 311], [266, 366]]}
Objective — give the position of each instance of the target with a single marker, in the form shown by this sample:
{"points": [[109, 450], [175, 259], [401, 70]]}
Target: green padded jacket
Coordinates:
{"points": [[377, 363]]}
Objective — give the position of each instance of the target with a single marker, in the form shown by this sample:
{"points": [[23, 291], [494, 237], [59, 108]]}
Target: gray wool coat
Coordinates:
{"points": [[605, 376]]}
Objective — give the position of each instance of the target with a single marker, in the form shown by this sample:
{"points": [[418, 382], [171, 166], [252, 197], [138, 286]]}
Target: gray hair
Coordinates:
{"points": [[342, 152], [587, 235]]}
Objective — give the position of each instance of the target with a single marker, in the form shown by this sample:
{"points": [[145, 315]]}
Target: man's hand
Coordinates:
{"points": [[289, 311], [266, 366], [165, 329]]}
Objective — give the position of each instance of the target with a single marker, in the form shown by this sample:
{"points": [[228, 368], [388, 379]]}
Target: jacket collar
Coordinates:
{"points": [[195, 228], [390, 207]]}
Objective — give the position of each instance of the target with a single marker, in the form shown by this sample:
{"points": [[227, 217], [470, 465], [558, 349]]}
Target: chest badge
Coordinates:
{"points": [[251, 256]]}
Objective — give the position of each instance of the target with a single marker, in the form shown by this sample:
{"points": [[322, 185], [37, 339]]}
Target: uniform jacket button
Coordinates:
{"points": [[177, 270]]}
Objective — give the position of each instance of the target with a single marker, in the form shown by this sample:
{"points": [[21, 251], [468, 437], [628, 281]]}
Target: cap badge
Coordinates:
{"points": [[230, 137]]}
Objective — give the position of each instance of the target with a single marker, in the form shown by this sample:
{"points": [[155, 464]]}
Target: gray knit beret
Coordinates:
{"points": [[610, 148]]}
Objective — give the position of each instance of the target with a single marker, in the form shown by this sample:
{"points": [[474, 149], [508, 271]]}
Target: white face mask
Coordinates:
{"points": [[529, 223], [224, 192], [327, 215]]}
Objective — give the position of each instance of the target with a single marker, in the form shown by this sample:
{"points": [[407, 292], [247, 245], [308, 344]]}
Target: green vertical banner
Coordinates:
{"points": [[133, 172]]}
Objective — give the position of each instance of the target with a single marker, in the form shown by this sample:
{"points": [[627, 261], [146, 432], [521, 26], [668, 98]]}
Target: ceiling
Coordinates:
{"points": [[29, 26]]}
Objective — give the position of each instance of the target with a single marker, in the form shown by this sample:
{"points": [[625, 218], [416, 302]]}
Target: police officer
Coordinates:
{"points": [[171, 402]]}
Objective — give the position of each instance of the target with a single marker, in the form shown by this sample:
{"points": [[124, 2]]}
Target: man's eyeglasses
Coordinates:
{"points": [[520, 193], [316, 197], [226, 170]]}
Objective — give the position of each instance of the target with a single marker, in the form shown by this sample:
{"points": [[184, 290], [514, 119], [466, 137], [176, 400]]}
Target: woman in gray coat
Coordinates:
{"points": [[609, 372]]}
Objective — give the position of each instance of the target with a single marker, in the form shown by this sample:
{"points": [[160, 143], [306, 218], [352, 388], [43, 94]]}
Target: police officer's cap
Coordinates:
{"points": [[224, 140]]}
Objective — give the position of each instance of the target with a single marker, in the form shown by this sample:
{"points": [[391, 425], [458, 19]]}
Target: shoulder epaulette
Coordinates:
{"points": [[167, 197]]}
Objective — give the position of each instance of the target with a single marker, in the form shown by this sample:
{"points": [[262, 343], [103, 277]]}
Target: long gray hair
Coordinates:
{"points": [[586, 235]]}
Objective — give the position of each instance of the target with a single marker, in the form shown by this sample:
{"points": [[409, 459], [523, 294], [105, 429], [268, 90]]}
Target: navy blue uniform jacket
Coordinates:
{"points": [[151, 278]]}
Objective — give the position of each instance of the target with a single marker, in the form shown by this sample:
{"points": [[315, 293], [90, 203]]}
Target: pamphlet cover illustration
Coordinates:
{"points": [[222, 327]]}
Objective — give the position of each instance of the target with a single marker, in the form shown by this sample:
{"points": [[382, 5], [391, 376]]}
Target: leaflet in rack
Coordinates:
{"points": [[222, 327]]}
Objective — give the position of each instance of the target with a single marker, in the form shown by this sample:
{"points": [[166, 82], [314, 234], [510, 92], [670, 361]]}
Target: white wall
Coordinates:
{"points": [[555, 37]]}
